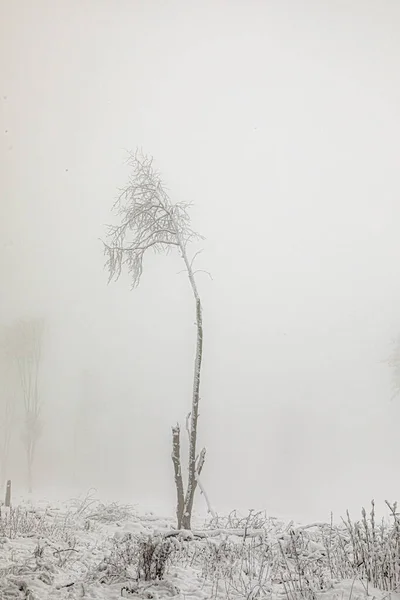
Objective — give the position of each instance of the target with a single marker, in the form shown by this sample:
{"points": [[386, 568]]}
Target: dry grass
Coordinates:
{"points": [[283, 561], [300, 562], [19, 522]]}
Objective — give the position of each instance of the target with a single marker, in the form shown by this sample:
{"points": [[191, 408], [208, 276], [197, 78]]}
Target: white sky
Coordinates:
{"points": [[280, 121]]}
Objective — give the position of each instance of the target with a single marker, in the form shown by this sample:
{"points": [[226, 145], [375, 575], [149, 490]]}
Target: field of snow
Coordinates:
{"points": [[86, 549]]}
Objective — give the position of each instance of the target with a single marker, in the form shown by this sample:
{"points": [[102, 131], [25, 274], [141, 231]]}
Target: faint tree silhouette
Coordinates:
{"points": [[8, 397], [24, 346], [394, 363]]}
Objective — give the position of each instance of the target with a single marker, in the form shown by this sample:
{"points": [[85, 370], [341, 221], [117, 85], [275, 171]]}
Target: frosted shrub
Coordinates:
{"points": [[154, 553]]}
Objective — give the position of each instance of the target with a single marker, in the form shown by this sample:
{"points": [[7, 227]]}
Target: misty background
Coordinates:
{"points": [[280, 121]]}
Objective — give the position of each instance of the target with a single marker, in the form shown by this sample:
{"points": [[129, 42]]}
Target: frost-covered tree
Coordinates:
{"points": [[148, 220], [24, 346]]}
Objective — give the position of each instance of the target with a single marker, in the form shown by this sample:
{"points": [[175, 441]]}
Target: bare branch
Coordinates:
{"points": [[200, 484], [187, 425], [203, 271], [148, 221], [211, 533], [194, 257], [197, 270]]}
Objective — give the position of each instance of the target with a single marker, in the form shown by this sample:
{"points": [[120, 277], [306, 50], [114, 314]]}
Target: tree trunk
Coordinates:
{"points": [[5, 449], [192, 483], [29, 456], [176, 459], [7, 501], [3, 469], [30, 485]]}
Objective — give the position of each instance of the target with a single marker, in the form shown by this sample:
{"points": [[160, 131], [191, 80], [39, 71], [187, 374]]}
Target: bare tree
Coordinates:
{"points": [[394, 363], [148, 220], [24, 342], [7, 409]]}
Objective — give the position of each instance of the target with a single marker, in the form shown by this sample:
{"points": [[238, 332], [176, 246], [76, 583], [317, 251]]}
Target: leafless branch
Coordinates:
{"points": [[203, 271], [148, 221], [210, 533], [187, 424], [194, 258], [203, 491]]}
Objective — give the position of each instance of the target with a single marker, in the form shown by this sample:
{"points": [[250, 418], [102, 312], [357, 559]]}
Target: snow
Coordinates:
{"points": [[86, 549]]}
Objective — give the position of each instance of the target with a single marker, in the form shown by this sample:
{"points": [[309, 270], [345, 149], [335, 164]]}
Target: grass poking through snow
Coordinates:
{"points": [[87, 548]]}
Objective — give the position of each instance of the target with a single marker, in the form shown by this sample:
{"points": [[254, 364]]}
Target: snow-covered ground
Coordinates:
{"points": [[85, 549]]}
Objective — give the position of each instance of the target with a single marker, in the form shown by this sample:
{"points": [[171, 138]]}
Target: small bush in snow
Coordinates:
{"points": [[154, 553]]}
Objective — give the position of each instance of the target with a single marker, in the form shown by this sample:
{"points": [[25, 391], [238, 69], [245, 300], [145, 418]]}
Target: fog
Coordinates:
{"points": [[279, 121]]}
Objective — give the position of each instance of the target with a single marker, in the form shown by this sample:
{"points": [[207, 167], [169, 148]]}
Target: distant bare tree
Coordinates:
{"points": [[24, 343], [149, 221], [7, 422], [394, 363], [8, 396]]}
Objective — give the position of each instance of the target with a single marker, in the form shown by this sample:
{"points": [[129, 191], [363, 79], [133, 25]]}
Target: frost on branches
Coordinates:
{"points": [[149, 221]]}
